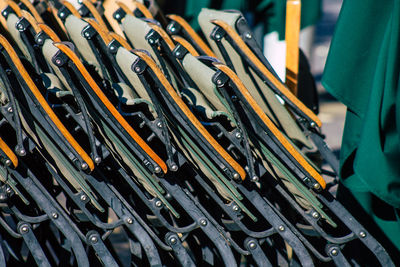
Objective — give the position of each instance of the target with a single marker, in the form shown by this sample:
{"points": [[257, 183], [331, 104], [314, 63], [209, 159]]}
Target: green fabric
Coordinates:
{"points": [[362, 71], [270, 12]]}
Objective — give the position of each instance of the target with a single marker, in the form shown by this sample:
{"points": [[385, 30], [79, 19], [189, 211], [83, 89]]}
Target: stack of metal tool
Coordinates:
{"points": [[126, 140]]}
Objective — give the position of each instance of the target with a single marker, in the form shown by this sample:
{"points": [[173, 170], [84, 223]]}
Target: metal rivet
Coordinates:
{"points": [[177, 53], [252, 245], [117, 16], [281, 228], [10, 109], [87, 34], [137, 69], [219, 82], [254, 178], [238, 135], [54, 215], [112, 48], [313, 124], [174, 167], [83, 197], [217, 36], [22, 152], [8, 162], [334, 252], [158, 203], [94, 239], [24, 229], [20, 26], [236, 175], [97, 160], [203, 222], [317, 186], [84, 166], [248, 35], [173, 240], [315, 215], [151, 41], [58, 61], [62, 14], [8, 190], [172, 29], [363, 234], [157, 169], [235, 207], [39, 40], [129, 220], [159, 124]]}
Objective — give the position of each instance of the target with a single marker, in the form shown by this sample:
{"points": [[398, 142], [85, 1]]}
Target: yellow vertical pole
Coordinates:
{"points": [[293, 16]]}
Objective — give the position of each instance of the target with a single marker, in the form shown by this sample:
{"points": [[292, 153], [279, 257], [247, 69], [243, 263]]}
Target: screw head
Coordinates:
{"points": [[58, 61], [219, 82], [315, 215], [8, 190], [254, 178], [203, 222], [218, 36], [313, 124], [174, 167], [172, 29], [252, 245], [248, 35], [157, 169], [363, 234], [112, 48], [87, 34], [177, 53], [24, 229], [281, 228], [54, 215], [117, 16], [235, 208], [94, 239], [62, 14], [40, 40], [97, 160], [10, 109], [137, 69], [158, 203], [8, 162], [84, 166], [20, 26], [317, 186], [238, 135], [159, 124], [173, 240], [334, 252], [129, 220], [22, 152], [236, 175], [151, 41], [83, 197]]}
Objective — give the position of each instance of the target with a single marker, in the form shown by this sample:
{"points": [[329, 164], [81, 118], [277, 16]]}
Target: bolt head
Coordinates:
{"points": [[54, 215], [173, 240], [177, 53], [315, 215], [8, 162], [158, 203], [159, 124], [94, 239], [203, 222], [174, 168], [129, 220], [151, 41], [137, 69], [20, 26], [248, 35], [87, 34], [313, 124], [8, 190], [334, 252], [24, 229], [58, 61], [281, 228], [218, 36], [83, 197], [157, 169], [172, 29], [219, 82], [10, 109], [112, 48], [238, 135], [236, 175], [254, 178], [317, 186], [22, 152], [235, 207], [84, 166], [40, 40], [97, 160], [252, 245], [363, 234], [117, 16], [62, 14]]}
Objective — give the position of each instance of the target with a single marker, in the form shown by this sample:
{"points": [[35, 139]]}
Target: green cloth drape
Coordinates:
{"points": [[362, 71]]}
